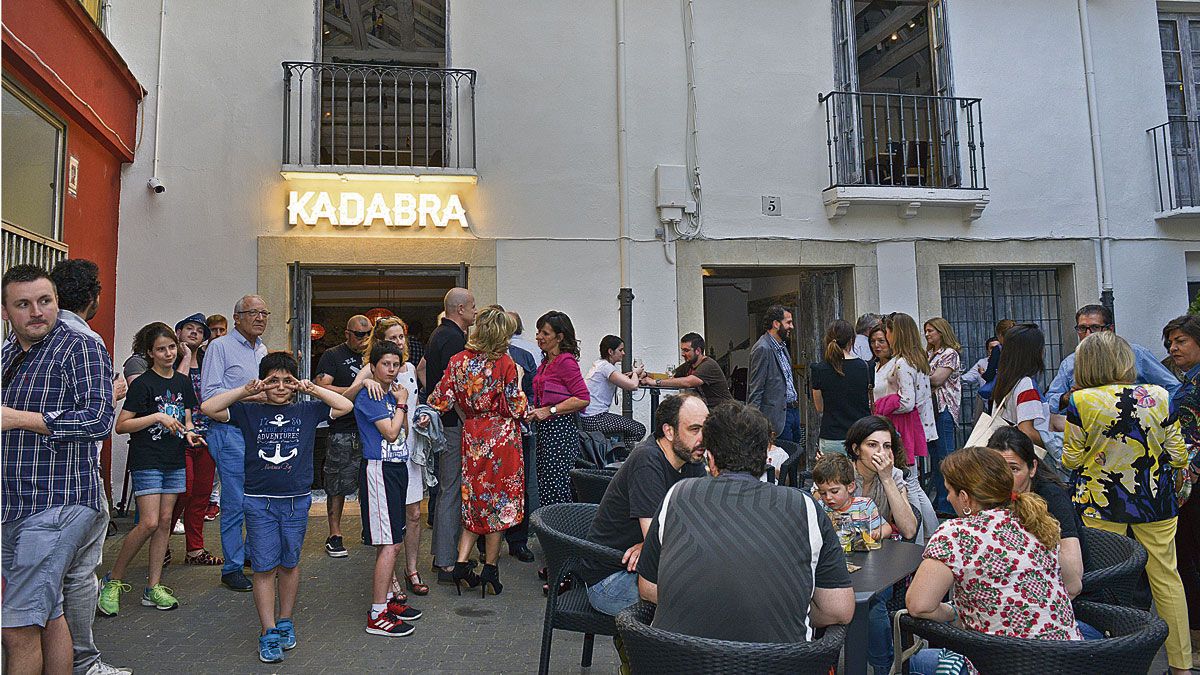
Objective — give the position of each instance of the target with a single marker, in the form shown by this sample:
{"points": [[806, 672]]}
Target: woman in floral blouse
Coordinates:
{"points": [[944, 368], [1122, 450], [485, 385], [1000, 557], [1181, 337]]}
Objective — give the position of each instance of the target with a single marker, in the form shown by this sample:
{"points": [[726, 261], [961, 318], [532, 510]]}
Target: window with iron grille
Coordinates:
{"points": [[973, 300]]}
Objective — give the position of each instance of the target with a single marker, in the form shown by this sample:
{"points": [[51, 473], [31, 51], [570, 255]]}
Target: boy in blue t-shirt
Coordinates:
{"points": [[383, 483], [279, 472]]}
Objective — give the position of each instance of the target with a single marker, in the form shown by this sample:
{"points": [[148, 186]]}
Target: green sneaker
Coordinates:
{"points": [[160, 597], [110, 596]]}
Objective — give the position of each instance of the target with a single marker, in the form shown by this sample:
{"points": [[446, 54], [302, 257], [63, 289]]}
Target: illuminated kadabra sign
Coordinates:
{"points": [[401, 209]]}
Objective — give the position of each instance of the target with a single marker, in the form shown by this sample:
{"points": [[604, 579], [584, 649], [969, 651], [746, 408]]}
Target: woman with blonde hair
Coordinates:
{"points": [[941, 346], [482, 382], [1120, 446], [1001, 558], [841, 387], [393, 329], [907, 399]]}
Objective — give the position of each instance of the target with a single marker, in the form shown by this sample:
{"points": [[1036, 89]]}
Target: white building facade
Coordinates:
{"points": [[952, 158]]}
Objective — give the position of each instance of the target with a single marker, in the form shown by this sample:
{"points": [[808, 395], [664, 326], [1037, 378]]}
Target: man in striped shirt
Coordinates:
{"points": [[58, 402]]}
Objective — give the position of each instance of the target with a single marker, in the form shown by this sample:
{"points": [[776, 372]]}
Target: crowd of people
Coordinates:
{"points": [[487, 424]]}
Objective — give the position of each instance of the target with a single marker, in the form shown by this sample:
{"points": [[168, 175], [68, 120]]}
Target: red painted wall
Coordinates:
{"points": [[100, 134]]}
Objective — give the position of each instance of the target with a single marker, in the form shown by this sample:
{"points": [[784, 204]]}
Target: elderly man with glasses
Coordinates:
{"points": [[1094, 319], [230, 362]]}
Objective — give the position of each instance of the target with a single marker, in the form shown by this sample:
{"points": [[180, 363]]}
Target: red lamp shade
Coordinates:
{"points": [[377, 313], [317, 331]]}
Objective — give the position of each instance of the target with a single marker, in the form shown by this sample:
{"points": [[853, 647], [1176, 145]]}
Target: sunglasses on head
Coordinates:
{"points": [[360, 334]]}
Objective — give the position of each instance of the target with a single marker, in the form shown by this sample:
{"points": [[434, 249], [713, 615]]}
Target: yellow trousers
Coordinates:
{"points": [[1165, 585]]}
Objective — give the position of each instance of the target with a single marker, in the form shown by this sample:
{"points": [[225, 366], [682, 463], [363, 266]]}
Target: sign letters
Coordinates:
{"points": [[349, 209]]}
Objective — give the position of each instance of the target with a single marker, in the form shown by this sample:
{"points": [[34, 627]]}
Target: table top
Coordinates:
{"points": [[884, 567]]}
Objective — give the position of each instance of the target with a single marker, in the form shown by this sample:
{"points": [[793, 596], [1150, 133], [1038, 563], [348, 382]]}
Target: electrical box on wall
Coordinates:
{"points": [[671, 192]]}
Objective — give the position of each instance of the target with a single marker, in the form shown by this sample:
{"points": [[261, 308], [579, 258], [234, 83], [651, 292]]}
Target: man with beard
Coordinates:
{"points": [[336, 371], [635, 494], [770, 387], [697, 372]]}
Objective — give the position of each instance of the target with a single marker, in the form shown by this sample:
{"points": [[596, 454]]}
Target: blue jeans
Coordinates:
{"points": [[939, 450], [791, 428], [925, 662], [879, 632], [614, 593], [228, 450]]}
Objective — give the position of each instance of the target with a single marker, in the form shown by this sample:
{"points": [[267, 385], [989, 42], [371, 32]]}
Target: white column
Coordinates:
{"points": [[897, 265]]}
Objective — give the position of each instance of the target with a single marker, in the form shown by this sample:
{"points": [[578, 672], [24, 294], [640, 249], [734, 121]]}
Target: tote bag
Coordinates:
{"points": [[988, 423]]}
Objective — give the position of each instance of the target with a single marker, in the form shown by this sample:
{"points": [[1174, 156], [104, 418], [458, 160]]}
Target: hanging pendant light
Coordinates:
{"points": [[316, 331], [377, 313]]}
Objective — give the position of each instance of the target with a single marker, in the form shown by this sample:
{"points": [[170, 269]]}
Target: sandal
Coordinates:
{"points": [[413, 579], [203, 558], [398, 590], [167, 558]]}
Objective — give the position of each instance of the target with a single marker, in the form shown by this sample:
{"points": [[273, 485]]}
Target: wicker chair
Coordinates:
{"points": [[589, 485], [1112, 568], [561, 529], [1136, 637], [658, 651]]}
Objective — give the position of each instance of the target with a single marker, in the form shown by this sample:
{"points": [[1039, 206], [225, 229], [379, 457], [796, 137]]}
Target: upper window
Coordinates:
{"points": [[396, 32], [32, 169]]}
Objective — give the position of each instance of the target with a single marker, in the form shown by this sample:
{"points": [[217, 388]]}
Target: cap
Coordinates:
{"points": [[199, 319]]}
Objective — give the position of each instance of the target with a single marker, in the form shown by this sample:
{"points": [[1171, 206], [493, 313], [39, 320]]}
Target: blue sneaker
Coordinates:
{"points": [[287, 634], [268, 647]]}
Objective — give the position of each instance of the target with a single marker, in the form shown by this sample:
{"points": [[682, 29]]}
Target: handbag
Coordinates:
{"points": [[988, 423]]}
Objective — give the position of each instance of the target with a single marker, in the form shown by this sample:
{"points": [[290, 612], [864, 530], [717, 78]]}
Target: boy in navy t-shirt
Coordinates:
{"points": [[279, 472]]}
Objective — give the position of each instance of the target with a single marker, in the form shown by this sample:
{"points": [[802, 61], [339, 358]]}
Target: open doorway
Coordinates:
{"points": [[735, 299], [325, 298]]}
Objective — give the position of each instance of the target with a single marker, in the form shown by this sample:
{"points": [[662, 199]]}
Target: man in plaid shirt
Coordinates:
{"points": [[57, 394]]}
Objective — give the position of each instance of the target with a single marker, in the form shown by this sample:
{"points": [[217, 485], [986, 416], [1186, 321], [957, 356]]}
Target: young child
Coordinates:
{"points": [[383, 481], [833, 481], [158, 419], [279, 472]]}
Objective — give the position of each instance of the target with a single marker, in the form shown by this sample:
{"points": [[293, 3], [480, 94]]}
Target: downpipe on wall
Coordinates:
{"points": [[1089, 79]]}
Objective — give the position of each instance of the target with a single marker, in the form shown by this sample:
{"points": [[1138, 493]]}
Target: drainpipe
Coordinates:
{"points": [[155, 183], [625, 296], [1089, 79]]}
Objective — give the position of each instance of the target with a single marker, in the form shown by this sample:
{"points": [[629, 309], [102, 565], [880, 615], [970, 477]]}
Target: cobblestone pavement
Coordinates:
{"points": [[216, 630]]}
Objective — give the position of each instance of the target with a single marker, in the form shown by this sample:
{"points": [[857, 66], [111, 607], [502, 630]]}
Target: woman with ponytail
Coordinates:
{"points": [[1122, 444], [841, 387], [1000, 556], [907, 399]]}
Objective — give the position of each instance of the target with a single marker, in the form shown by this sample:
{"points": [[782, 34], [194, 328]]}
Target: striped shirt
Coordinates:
{"points": [[785, 364], [67, 377]]}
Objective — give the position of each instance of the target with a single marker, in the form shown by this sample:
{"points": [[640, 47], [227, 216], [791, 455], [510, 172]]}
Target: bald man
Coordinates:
{"points": [[448, 339], [336, 372]]}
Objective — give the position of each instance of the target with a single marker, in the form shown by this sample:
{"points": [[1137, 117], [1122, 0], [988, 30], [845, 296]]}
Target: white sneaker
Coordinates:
{"points": [[102, 668], [178, 528]]}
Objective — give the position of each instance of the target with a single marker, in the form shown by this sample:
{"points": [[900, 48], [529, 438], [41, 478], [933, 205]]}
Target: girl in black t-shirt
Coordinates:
{"points": [[841, 387], [158, 419]]}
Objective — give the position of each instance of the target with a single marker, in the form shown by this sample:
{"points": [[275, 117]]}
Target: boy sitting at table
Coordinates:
{"points": [[279, 472], [834, 485]]}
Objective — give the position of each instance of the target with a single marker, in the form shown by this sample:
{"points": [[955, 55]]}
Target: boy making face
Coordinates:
{"points": [[833, 481], [279, 471]]}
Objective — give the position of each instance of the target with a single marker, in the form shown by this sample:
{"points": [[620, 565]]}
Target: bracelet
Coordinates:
{"points": [[402, 406], [954, 609]]}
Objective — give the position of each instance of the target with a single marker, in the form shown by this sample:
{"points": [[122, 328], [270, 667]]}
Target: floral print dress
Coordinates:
{"points": [[488, 393]]}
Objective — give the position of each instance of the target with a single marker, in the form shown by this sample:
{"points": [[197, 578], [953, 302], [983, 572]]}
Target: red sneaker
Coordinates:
{"points": [[401, 609], [214, 510], [388, 625]]}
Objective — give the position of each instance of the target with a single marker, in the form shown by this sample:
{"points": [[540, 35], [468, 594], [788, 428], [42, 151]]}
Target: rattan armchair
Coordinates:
{"points": [[1112, 566], [589, 485]]}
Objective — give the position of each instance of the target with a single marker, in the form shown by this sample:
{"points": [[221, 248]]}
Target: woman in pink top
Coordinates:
{"points": [[559, 393]]}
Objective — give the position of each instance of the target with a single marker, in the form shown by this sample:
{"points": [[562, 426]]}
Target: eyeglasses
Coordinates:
{"points": [[1093, 328], [256, 313], [360, 334]]}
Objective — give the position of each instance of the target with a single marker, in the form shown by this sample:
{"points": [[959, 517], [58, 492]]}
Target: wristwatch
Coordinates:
{"points": [[553, 410]]}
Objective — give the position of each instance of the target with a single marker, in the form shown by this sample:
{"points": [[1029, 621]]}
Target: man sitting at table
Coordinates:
{"points": [[726, 537], [635, 493]]}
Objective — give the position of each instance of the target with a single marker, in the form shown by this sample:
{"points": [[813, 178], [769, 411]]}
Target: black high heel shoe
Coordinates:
{"points": [[491, 575], [464, 571]]}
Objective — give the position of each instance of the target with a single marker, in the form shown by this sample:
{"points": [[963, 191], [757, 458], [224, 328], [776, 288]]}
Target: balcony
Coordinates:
{"points": [[22, 247], [375, 122], [905, 151], [1177, 168]]}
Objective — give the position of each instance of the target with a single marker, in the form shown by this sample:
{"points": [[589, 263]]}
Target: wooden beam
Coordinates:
{"points": [[890, 24], [355, 17], [914, 44], [406, 19], [348, 28], [417, 56]]}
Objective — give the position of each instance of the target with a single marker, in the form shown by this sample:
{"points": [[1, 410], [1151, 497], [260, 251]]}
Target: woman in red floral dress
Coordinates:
{"points": [[484, 384], [1001, 558]]}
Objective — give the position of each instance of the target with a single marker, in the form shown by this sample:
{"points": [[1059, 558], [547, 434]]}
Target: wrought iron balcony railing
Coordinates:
{"points": [[1177, 163], [904, 140], [348, 115]]}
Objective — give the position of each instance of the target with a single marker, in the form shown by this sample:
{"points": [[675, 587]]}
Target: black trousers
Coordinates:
{"points": [[518, 535]]}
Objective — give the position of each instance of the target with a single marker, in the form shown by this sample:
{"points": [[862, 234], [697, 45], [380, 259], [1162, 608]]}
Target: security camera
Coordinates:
{"points": [[155, 184]]}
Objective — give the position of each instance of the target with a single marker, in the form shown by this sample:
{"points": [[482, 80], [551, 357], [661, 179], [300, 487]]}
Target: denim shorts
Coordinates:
{"points": [[159, 481], [275, 528], [38, 552]]}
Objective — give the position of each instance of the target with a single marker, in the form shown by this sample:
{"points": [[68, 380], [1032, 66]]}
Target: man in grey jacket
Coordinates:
{"points": [[771, 388]]}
